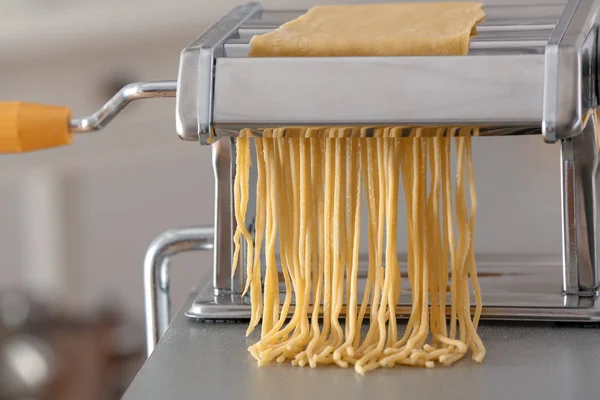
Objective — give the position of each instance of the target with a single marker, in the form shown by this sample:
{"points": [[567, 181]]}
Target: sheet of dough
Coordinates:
{"points": [[404, 29]]}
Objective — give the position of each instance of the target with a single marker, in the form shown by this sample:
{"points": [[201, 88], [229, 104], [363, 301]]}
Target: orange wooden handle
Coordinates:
{"points": [[27, 127]]}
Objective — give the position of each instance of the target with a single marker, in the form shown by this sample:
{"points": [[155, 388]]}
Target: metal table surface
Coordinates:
{"points": [[210, 361]]}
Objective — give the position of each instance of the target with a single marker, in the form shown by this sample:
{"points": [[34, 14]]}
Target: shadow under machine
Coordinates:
{"points": [[531, 70]]}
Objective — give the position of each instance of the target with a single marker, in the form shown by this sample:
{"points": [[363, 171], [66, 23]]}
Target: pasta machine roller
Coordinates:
{"points": [[530, 70]]}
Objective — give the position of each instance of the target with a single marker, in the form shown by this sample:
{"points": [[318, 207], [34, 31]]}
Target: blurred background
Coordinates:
{"points": [[75, 222]]}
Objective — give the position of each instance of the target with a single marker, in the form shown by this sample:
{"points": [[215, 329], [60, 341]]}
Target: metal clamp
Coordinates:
{"points": [[157, 302]]}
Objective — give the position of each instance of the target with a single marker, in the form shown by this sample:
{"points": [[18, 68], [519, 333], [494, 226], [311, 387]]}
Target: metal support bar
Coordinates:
{"points": [[223, 157], [580, 202], [157, 275]]}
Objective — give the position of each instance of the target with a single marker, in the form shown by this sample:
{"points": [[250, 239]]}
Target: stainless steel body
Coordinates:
{"points": [[528, 67], [532, 70], [259, 92]]}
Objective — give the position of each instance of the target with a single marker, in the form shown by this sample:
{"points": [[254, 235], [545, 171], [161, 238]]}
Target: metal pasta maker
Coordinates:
{"points": [[531, 70]]}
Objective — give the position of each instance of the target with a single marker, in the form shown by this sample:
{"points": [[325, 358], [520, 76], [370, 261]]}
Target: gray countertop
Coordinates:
{"points": [[210, 361]]}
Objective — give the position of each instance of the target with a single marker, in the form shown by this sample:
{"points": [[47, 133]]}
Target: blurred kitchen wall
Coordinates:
{"points": [[75, 222]]}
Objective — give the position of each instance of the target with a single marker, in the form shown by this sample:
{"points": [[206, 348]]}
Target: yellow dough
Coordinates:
{"points": [[404, 29], [309, 194]]}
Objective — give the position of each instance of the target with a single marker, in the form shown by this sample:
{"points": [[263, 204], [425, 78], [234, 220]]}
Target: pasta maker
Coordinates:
{"points": [[531, 70]]}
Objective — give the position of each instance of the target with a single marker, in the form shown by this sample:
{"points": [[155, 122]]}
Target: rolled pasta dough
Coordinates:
{"points": [[404, 29]]}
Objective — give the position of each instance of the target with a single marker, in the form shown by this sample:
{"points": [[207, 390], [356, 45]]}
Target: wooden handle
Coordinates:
{"points": [[27, 127]]}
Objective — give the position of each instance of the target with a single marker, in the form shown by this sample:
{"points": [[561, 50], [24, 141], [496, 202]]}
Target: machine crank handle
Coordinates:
{"points": [[27, 127]]}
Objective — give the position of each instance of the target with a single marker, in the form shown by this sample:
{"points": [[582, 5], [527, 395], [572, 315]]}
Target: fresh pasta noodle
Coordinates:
{"points": [[309, 194], [319, 260]]}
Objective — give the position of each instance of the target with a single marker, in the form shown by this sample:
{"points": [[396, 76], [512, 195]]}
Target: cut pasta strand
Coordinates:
{"points": [[310, 195]]}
